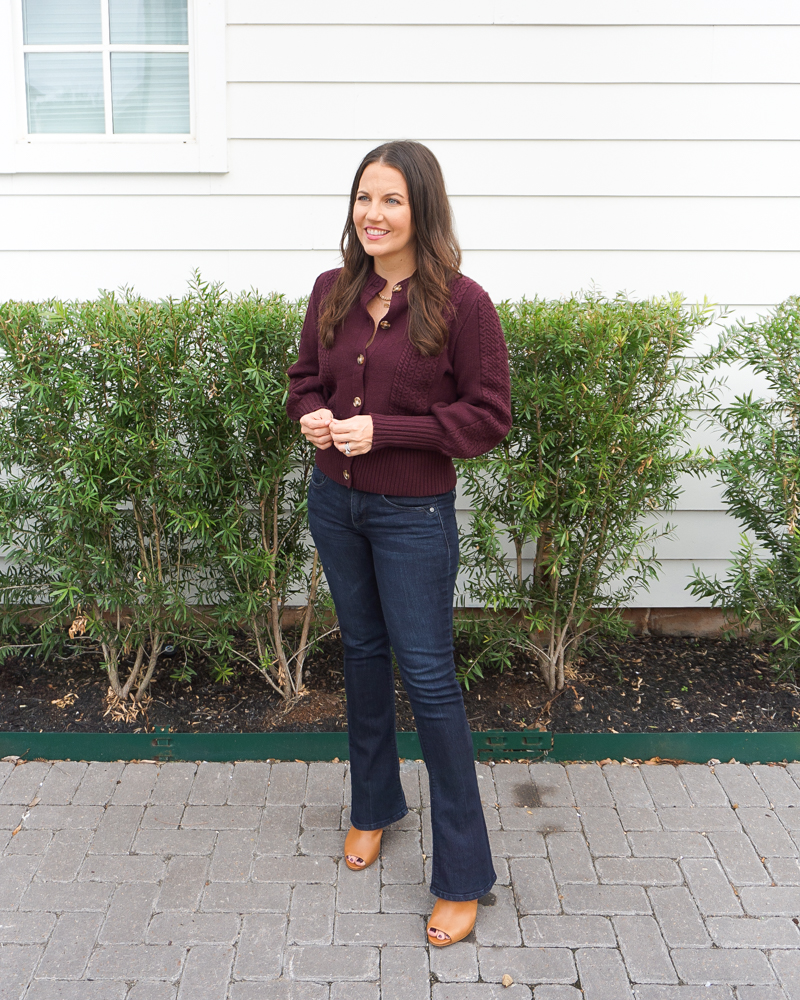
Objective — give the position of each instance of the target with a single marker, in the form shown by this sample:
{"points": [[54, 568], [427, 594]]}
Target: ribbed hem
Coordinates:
{"points": [[397, 472]]}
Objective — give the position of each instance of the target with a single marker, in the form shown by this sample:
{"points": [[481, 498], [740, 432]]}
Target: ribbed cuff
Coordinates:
{"points": [[304, 404], [419, 433]]}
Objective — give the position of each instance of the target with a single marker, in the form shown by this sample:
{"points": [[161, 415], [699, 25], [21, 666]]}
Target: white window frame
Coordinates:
{"points": [[203, 150]]}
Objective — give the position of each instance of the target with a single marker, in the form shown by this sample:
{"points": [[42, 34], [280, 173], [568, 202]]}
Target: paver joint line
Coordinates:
{"points": [[218, 881]]}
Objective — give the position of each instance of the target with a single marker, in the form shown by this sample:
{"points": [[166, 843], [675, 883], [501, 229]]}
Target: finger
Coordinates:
{"points": [[351, 435]]}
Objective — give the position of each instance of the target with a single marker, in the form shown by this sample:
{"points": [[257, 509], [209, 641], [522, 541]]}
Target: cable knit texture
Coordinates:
{"points": [[425, 411]]}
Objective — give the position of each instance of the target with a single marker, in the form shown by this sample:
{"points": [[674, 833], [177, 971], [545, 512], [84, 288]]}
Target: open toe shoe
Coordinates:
{"points": [[455, 919], [363, 844]]}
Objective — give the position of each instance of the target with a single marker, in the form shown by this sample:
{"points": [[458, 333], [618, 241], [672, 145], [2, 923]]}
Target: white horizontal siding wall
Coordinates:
{"points": [[648, 147]]}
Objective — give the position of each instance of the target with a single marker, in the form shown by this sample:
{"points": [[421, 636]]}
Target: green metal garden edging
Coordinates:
{"points": [[163, 745]]}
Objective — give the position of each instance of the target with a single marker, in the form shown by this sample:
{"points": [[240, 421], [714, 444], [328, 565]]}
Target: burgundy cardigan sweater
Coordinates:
{"points": [[425, 411]]}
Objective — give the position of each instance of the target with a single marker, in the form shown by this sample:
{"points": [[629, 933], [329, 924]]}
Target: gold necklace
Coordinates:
{"points": [[385, 299]]}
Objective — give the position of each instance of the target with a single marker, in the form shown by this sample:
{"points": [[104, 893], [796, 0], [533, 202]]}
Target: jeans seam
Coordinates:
{"points": [[444, 532]]}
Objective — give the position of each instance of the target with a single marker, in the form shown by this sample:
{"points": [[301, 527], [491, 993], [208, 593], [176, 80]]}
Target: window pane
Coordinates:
{"points": [[148, 22], [65, 91], [150, 91], [61, 22]]}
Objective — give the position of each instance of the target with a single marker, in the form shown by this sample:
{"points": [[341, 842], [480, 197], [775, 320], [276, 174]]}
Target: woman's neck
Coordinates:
{"points": [[393, 271]]}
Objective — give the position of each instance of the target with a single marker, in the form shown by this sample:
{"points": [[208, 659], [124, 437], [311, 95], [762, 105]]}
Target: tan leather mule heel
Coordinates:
{"points": [[454, 919], [363, 844]]}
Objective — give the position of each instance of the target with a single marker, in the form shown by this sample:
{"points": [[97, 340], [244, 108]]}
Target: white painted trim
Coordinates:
{"points": [[203, 151], [107, 104], [8, 110]]}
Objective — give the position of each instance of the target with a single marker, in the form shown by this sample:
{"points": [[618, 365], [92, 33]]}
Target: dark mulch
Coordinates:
{"points": [[638, 685]]}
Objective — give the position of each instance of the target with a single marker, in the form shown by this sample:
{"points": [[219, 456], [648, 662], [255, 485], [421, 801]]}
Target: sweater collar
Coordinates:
{"points": [[375, 283]]}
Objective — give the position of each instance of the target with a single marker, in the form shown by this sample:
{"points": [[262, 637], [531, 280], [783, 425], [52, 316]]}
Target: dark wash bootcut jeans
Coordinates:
{"points": [[391, 565]]}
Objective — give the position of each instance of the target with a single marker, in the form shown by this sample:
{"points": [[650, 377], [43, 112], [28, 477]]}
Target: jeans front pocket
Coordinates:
{"points": [[318, 477], [422, 505]]}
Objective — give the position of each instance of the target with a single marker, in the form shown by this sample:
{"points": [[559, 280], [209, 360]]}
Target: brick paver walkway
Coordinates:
{"points": [[225, 882]]}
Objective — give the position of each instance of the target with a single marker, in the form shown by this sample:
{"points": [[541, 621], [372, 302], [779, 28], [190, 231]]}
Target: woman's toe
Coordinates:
{"points": [[355, 861], [439, 935]]}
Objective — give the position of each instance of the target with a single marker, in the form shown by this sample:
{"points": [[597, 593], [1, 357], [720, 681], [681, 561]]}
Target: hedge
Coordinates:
{"points": [[153, 490], [759, 466]]}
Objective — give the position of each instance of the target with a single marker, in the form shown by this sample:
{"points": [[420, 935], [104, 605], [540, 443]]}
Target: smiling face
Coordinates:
{"points": [[382, 217]]}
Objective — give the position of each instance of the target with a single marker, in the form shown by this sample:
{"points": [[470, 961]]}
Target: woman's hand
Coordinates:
{"points": [[315, 428], [356, 430]]}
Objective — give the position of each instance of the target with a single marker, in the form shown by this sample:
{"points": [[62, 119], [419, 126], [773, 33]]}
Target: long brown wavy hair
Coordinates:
{"points": [[438, 255]]}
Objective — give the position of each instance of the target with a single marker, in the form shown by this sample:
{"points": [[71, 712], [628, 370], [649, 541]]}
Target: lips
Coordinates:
{"points": [[375, 234]]}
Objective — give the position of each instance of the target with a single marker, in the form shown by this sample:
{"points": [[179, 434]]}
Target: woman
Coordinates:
{"points": [[402, 367]]}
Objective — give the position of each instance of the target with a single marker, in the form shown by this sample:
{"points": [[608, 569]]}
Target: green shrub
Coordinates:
{"points": [[86, 443], [243, 473], [760, 472], [602, 392], [148, 469], [153, 488]]}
